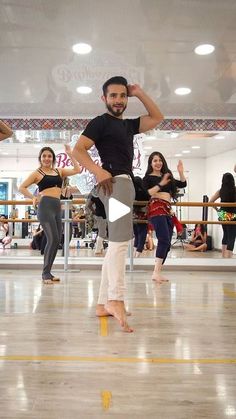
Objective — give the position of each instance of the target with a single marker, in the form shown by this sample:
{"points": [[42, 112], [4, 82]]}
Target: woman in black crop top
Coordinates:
{"points": [[49, 181], [161, 185]]}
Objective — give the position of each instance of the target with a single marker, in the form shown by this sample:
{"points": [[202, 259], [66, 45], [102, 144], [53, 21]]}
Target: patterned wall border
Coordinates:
{"points": [[80, 124]]}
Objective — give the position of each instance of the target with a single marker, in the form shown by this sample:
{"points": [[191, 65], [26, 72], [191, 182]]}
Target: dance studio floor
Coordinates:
{"points": [[58, 361]]}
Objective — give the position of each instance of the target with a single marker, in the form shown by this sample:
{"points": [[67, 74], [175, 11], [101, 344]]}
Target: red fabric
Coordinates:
{"points": [[177, 224], [160, 207]]}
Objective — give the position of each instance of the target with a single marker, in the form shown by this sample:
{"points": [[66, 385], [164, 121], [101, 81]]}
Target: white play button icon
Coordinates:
{"points": [[117, 209]]}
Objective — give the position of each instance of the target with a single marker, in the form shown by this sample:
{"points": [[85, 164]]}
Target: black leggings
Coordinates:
{"points": [[49, 215], [163, 226], [229, 235]]}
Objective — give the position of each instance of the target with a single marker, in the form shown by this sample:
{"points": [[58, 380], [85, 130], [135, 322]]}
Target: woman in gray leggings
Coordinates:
{"points": [[49, 182]]}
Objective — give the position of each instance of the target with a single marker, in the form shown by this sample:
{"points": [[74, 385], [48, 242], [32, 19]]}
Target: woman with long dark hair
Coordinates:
{"points": [[162, 187], [49, 180], [227, 193]]}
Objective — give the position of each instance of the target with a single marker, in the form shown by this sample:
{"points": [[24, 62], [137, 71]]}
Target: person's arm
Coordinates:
{"points": [[180, 168], [214, 198], [157, 188], [192, 238], [5, 131], [80, 153], [76, 167], [154, 116], [23, 188], [36, 233], [5, 227], [73, 189]]}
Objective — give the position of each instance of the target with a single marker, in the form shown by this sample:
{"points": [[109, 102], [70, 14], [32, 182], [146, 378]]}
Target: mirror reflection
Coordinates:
{"points": [[206, 158]]}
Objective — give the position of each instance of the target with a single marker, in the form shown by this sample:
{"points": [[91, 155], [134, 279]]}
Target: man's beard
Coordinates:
{"points": [[115, 112]]}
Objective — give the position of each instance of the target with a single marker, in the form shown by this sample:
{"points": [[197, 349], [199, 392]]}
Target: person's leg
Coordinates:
{"points": [[163, 232], [189, 246], [135, 229], [231, 233], [58, 236], [47, 214], [142, 234], [170, 226], [43, 243], [201, 248], [224, 241], [120, 233], [102, 227]]}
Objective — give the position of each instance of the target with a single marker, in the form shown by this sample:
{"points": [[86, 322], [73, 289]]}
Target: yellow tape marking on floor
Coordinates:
{"points": [[117, 360], [106, 399], [103, 326], [229, 293]]}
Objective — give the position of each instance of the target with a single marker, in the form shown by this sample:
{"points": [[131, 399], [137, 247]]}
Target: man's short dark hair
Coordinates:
{"points": [[114, 80]]}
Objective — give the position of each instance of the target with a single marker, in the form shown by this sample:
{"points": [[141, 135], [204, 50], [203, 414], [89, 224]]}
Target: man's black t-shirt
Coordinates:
{"points": [[113, 138]]}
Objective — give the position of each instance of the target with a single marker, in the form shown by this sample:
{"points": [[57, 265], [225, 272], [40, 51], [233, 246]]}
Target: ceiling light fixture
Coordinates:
{"points": [[204, 49], [182, 91], [82, 48], [186, 151], [195, 147], [219, 137], [178, 155], [84, 90]]}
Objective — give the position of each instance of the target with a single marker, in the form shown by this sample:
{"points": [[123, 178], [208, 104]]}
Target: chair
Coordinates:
{"points": [[182, 237]]}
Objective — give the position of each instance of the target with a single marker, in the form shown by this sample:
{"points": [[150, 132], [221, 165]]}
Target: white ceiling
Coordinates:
{"points": [[150, 42]]}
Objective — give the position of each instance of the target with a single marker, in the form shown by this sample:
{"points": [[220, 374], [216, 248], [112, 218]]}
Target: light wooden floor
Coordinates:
{"points": [[57, 360]]}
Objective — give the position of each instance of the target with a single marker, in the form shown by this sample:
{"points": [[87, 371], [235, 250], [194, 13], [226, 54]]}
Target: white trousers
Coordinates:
{"points": [[120, 232], [112, 285]]}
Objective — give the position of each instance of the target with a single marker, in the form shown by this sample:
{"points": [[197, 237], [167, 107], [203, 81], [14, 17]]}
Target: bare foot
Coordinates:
{"points": [[55, 279], [101, 311], [117, 310], [47, 281]]}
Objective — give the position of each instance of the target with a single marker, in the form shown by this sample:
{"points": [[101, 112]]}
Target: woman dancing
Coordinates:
{"points": [[162, 187], [49, 181]]}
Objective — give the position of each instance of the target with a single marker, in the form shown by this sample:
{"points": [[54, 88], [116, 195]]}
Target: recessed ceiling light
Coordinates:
{"points": [[146, 147], [195, 146], [178, 155], [185, 151], [4, 153], [204, 49], [82, 48], [174, 135], [84, 90], [182, 91], [219, 137]]}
